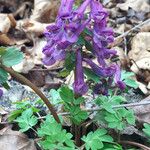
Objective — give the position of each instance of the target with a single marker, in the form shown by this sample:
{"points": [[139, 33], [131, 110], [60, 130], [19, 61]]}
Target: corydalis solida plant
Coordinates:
{"points": [[64, 34]]}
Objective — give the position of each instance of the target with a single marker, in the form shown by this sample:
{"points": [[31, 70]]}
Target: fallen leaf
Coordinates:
{"points": [[15, 140], [137, 5], [142, 112], [42, 10]]}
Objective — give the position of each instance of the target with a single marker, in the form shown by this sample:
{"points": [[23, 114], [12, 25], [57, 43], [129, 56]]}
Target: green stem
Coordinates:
{"points": [[24, 80]]}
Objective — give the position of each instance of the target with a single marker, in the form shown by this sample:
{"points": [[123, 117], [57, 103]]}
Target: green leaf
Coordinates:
{"points": [[77, 115], [130, 117], [54, 137], [108, 107], [146, 129], [79, 100], [91, 75], [70, 61], [88, 45], [6, 86], [13, 115], [126, 75], [64, 73], [116, 100], [27, 120], [96, 140], [81, 41], [11, 57], [131, 83], [87, 31], [55, 97], [3, 76], [66, 94]]}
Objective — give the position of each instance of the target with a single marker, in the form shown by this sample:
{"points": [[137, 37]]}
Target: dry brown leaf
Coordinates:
{"points": [[140, 52], [136, 5], [31, 26], [142, 112], [5, 40], [42, 10], [15, 140]]}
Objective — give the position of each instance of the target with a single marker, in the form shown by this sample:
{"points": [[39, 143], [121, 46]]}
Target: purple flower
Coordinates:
{"points": [[65, 32], [97, 11], [102, 35], [117, 78], [54, 56], [65, 9], [80, 87], [1, 92], [100, 71]]}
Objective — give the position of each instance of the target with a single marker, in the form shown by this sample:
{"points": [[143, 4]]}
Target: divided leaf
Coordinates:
{"points": [[27, 120], [95, 140]]}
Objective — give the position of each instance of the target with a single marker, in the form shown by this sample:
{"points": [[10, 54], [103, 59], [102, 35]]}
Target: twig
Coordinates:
{"points": [[36, 90], [137, 26], [143, 147], [98, 109], [115, 107]]}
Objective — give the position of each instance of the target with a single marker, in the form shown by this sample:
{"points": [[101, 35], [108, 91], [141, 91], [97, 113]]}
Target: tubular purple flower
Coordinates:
{"points": [[97, 11], [100, 71], [65, 8], [55, 56], [117, 78], [80, 87], [82, 8]]}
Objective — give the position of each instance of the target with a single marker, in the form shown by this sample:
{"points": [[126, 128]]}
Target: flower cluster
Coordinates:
{"points": [[64, 34]]}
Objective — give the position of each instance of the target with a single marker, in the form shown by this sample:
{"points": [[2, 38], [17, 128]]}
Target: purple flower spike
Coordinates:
{"points": [[1, 92], [117, 78], [80, 87], [102, 72]]}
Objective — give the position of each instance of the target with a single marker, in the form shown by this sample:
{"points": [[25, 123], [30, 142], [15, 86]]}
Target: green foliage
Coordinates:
{"points": [[72, 105], [81, 41], [27, 120], [146, 129], [95, 140], [91, 75], [54, 137], [20, 108], [126, 77], [11, 56], [8, 57], [116, 118], [120, 118], [3, 76], [69, 65], [55, 97]]}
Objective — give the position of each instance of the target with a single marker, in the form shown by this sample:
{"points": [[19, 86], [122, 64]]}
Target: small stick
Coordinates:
{"points": [[143, 147], [137, 26]]}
